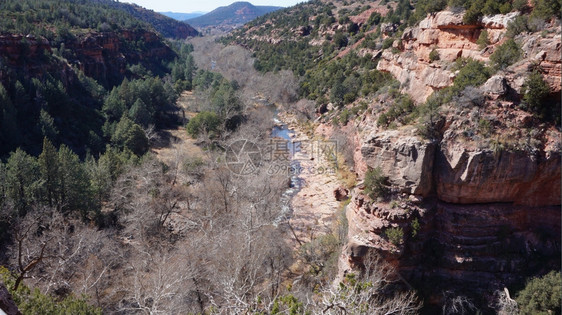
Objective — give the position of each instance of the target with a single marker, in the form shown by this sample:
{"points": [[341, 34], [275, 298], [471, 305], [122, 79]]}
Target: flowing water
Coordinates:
{"points": [[282, 131]]}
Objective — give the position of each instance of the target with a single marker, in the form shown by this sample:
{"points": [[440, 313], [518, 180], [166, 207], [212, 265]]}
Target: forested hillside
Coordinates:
{"points": [[59, 60], [49, 18]]}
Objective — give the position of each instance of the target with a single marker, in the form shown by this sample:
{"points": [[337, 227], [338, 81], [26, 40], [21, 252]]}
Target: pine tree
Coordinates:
{"points": [[49, 168], [23, 183], [73, 184]]}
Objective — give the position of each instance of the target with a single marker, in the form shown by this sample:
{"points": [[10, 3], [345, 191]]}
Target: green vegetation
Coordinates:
{"points": [[519, 25], [484, 127], [62, 20], [395, 235], [535, 98], [376, 184], [58, 179], [344, 80], [423, 7], [506, 54], [483, 39], [471, 73], [401, 110], [541, 296], [415, 224], [31, 301], [546, 9], [206, 123], [434, 55], [293, 52]]}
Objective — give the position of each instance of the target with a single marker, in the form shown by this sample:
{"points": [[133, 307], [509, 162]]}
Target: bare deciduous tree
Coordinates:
{"points": [[367, 294]]}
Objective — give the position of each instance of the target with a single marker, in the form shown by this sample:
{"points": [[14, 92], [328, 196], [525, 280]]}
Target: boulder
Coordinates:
{"points": [[444, 19], [389, 28], [341, 193], [496, 85], [499, 21]]}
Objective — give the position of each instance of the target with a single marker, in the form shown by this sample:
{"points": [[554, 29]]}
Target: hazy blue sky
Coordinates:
{"points": [[187, 6]]}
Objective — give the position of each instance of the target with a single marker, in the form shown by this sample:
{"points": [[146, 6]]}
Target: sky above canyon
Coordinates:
{"points": [[183, 6]]}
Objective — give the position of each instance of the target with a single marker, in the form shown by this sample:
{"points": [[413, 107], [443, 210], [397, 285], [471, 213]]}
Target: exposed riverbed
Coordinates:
{"points": [[310, 202]]}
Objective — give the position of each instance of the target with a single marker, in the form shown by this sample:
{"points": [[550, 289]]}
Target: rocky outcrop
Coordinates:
{"points": [[15, 47], [445, 33], [483, 176], [419, 79], [341, 193], [7, 304], [104, 56], [474, 250], [29, 55], [495, 86], [474, 220], [541, 51], [406, 160]]}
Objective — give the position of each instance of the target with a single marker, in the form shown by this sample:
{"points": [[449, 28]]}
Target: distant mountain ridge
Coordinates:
{"points": [[237, 13], [165, 25], [182, 16]]}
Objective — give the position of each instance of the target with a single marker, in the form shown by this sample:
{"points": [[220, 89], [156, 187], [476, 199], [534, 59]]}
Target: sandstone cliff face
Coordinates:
{"points": [[23, 51], [406, 160], [104, 56], [483, 176], [445, 32], [489, 216]]}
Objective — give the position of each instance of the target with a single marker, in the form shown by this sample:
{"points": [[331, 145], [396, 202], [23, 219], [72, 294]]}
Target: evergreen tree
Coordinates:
{"points": [[22, 179], [49, 169], [140, 114], [73, 181]]}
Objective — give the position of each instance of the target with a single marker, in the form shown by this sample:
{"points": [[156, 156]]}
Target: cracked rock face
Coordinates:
{"points": [[406, 160], [466, 177]]}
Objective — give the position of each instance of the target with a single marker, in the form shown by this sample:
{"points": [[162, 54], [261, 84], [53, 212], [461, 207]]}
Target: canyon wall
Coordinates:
{"points": [[475, 218], [445, 33], [102, 56]]}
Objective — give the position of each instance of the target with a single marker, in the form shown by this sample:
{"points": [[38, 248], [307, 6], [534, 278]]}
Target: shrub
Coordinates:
{"points": [[484, 127], [535, 92], [434, 55], [340, 40], [387, 43], [207, 122], [506, 54], [402, 110], [483, 39], [395, 235], [541, 295], [546, 9], [32, 301], [376, 183], [517, 26], [344, 116], [519, 5], [415, 227], [473, 73]]}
